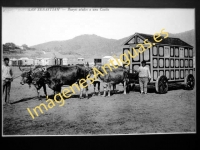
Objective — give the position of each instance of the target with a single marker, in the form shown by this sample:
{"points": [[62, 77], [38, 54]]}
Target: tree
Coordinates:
{"points": [[10, 45], [5, 48]]}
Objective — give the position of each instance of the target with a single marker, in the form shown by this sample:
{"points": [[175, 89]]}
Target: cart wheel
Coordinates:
{"points": [[161, 84], [189, 82]]}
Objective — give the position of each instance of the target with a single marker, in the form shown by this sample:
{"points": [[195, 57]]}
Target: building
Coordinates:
{"points": [[167, 57], [72, 60], [44, 61], [60, 59], [13, 62], [65, 61], [171, 58], [97, 61], [51, 58], [92, 64], [108, 59], [24, 61]]}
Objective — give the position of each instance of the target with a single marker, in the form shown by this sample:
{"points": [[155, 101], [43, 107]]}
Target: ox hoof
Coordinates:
{"points": [[99, 94], [87, 97], [94, 94], [124, 93], [81, 97]]}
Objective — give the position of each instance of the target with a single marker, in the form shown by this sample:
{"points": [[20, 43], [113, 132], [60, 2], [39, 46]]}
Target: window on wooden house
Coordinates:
{"points": [[176, 52], [155, 62], [155, 53], [186, 52], [139, 40], [161, 62], [171, 51], [147, 54], [161, 51], [177, 63], [186, 63], [191, 53], [181, 52], [166, 51]]}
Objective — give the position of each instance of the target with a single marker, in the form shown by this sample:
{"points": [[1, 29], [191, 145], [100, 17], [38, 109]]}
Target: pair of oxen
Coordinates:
{"points": [[57, 76]]}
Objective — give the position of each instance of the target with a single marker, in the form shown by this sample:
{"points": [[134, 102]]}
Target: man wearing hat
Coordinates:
{"points": [[144, 77], [7, 78]]}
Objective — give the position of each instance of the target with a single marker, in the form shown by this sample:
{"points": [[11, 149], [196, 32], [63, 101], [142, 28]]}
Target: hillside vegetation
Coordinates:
{"points": [[93, 46]]}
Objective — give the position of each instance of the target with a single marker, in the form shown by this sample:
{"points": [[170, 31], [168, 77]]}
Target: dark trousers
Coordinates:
{"points": [[97, 82], [6, 90]]}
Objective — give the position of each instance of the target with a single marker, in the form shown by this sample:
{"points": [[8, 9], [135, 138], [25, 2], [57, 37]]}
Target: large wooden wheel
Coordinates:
{"points": [[189, 82], [161, 84]]}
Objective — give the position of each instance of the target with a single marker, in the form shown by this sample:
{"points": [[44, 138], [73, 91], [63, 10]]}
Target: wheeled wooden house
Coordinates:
{"points": [[170, 60]]}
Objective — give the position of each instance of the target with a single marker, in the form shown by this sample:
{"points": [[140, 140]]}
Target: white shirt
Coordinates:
{"points": [[144, 72], [6, 72]]}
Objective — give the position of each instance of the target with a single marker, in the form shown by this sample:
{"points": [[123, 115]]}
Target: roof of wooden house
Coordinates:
{"points": [[168, 40]]}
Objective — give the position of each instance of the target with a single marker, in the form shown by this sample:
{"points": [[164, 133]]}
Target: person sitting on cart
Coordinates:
{"points": [[144, 77]]}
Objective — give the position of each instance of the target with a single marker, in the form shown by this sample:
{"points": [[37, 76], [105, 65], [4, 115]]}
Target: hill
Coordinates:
{"points": [[187, 36], [93, 46], [84, 45]]}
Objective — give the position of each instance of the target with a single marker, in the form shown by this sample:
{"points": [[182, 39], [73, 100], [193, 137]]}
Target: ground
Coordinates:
{"points": [[133, 113]]}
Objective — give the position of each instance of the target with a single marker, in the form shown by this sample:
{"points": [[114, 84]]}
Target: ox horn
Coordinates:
{"points": [[20, 68]]}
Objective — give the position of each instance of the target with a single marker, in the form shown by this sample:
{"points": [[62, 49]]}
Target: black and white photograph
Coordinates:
{"points": [[87, 71]]}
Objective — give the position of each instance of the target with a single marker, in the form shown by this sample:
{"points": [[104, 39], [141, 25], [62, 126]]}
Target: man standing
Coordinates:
{"points": [[96, 83], [144, 77], [7, 78]]}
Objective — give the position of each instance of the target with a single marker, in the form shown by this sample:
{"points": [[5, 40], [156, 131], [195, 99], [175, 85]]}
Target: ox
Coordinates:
{"points": [[57, 76], [116, 76], [35, 77]]}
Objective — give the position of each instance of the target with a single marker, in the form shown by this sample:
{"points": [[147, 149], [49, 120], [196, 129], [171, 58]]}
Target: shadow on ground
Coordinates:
{"points": [[151, 89]]}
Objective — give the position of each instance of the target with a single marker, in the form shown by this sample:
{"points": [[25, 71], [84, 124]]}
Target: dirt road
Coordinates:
{"points": [[119, 114]]}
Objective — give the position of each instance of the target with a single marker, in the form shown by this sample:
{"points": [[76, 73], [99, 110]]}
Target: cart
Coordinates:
{"points": [[169, 61]]}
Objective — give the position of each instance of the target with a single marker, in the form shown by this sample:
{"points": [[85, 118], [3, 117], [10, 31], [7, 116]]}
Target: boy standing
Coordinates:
{"points": [[7, 78], [144, 77]]}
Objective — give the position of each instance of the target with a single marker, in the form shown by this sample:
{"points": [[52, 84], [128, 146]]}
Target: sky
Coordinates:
{"points": [[32, 26]]}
